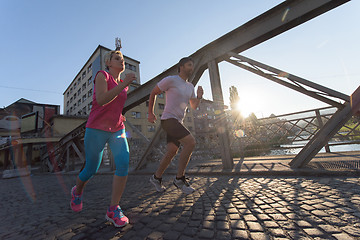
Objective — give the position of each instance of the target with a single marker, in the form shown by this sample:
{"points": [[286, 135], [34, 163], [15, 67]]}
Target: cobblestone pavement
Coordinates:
{"points": [[223, 207]]}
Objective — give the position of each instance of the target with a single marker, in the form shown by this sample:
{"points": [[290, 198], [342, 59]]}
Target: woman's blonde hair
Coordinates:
{"points": [[109, 55]]}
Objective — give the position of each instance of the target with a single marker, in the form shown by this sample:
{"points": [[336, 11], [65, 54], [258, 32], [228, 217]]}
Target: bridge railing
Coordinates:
{"points": [[293, 130]]}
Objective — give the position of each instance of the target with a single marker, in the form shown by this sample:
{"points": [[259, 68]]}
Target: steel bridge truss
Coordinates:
{"points": [[275, 21], [311, 89]]}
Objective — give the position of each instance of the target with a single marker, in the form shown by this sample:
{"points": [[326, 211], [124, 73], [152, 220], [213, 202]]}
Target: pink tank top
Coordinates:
{"points": [[108, 116]]}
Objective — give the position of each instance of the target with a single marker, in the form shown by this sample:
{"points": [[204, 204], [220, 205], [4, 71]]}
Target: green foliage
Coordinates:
{"points": [[351, 124], [234, 97]]}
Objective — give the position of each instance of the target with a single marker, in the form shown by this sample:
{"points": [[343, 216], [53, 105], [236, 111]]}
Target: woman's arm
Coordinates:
{"points": [[103, 95]]}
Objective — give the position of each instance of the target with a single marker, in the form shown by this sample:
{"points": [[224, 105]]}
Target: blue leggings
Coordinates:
{"points": [[94, 142]]}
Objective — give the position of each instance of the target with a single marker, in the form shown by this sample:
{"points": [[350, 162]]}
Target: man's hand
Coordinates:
{"points": [[152, 118]]}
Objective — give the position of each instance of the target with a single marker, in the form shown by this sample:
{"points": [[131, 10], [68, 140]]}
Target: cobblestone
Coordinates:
{"points": [[223, 207]]}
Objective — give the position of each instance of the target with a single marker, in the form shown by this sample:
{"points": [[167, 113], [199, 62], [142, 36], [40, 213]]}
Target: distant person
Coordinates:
{"points": [[179, 93], [105, 125]]}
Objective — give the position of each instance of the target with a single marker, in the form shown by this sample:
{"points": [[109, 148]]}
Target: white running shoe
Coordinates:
{"points": [[157, 183], [183, 185]]}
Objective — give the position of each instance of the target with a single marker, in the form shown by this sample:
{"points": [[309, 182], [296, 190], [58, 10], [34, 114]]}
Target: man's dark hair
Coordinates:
{"points": [[183, 61]]}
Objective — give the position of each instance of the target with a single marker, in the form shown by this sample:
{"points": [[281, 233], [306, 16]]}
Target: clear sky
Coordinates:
{"points": [[44, 44]]}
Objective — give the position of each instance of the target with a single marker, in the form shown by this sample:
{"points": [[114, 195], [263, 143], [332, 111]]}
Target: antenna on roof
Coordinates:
{"points": [[117, 44]]}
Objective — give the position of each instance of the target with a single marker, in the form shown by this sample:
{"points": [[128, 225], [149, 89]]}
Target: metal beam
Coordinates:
{"points": [[355, 102], [275, 21], [155, 139], [322, 137], [222, 131], [296, 83], [288, 80]]}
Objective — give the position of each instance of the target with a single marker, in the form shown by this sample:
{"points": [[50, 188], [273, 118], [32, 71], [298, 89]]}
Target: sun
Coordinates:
{"points": [[248, 104]]}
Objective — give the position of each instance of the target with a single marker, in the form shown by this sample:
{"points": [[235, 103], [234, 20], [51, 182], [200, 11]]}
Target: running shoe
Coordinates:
{"points": [[183, 185], [76, 201], [117, 217], [157, 183]]}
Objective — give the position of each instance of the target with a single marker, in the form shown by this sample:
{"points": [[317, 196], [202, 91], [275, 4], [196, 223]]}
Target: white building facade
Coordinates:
{"points": [[78, 95]]}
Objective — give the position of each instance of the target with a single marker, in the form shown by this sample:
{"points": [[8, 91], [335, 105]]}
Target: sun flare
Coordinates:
{"points": [[248, 104]]}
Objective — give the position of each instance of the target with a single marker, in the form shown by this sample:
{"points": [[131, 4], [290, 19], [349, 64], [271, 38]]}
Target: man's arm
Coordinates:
{"points": [[152, 99], [194, 102]]}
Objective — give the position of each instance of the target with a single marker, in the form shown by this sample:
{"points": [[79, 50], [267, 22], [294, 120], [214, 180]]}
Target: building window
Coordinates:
{"points": [[89, 81], [89, 68], [136, 114], [67, 94], [151, 128], [79, 102], [161, 95], [132, 88], [70, 90], [161, 106], [90, 93], [130, 67], [79, 91], [74, 96], [71, 99], [67, 103], [79, 80], [84, 97], [136, 141], [84, 111], [83, 75], [138, 127], [84, 86], [89, 106]]}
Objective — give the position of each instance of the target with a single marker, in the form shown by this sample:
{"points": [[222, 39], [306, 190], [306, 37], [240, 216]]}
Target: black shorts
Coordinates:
{"points": [[174, 130]]}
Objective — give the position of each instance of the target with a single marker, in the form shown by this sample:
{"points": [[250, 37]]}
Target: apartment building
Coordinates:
{"points": [[206, 121], [78, 97]]}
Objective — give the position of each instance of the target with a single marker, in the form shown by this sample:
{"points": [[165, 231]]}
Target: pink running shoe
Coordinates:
{"points": [[76, 201], [117, 217]]}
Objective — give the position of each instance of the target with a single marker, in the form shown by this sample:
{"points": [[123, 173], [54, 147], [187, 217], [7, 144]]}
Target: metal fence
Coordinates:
{"points": [[254, 136]]}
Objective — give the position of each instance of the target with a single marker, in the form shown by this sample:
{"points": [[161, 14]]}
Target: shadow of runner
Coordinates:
{"points": [[223, 207]]}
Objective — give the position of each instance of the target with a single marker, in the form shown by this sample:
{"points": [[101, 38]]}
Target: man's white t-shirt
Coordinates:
{"points": [[178, 93]]}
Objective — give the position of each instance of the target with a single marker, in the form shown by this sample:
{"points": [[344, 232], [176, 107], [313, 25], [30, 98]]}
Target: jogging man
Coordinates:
{"points": [[179, 93]]}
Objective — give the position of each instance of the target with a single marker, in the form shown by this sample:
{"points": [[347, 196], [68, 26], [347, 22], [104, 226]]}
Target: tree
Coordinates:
{"points": [[234, 97]]}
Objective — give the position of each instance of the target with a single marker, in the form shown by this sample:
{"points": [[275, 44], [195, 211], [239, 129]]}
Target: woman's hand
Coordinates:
{"points": [[129, 78]]}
